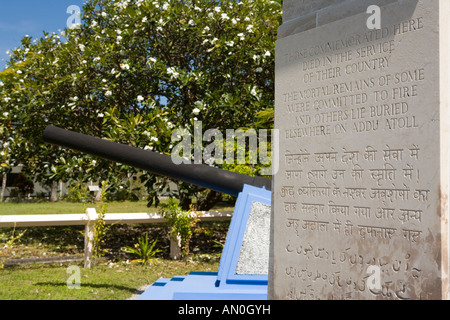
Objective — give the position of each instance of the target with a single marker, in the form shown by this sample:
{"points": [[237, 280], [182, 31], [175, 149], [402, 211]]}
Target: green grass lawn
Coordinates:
{"points": [[106, 281], [115, 278], [62, 207]]}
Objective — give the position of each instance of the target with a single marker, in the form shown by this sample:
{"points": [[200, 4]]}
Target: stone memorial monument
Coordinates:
{"points": [[360, 200]]}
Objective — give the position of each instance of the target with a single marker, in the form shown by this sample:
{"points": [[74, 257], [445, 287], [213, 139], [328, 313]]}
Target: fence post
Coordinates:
{"points": [[89, 236]]}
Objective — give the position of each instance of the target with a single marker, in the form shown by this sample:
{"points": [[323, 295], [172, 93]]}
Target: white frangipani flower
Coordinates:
{"points": [[173, 72]]}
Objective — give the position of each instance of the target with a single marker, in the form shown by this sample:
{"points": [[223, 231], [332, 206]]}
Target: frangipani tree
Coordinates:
{"points": [[136, 70]]}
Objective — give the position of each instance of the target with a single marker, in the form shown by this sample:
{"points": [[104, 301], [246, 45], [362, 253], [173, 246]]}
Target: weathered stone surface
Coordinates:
{"points": [[360, 208], [297, 25], [346, 9], [299, 16], [254, 254], [296, 8]]}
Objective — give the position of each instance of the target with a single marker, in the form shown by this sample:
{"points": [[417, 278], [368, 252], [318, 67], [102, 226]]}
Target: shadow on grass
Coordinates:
{"points": [[88, 285]]}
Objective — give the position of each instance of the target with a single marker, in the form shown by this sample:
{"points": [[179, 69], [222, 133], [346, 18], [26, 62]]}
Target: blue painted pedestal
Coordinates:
{"points": [[225, 284]]}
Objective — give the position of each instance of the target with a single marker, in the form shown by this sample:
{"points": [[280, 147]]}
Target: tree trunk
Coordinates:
{"points": [[54, 192], [185, 199], [2, 192], [206, 203]]}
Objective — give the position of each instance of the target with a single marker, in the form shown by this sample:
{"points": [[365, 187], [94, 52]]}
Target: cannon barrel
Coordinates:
{"points": [[197, 174]]}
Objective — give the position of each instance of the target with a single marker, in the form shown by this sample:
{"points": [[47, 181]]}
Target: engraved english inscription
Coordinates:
{"points": [[358, 184]]}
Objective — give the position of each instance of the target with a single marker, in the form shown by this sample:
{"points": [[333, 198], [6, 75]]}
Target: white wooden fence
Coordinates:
{"points": [[88, 219]]}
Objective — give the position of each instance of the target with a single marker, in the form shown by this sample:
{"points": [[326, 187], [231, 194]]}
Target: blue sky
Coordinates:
{"points": [[30, 17]]}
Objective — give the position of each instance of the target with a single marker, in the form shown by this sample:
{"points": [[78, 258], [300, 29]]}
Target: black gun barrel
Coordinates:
{"points": [[197, 174]]}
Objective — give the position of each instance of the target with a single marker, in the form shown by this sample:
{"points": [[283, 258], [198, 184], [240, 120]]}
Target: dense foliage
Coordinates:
{"points": [[133, 72]]}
